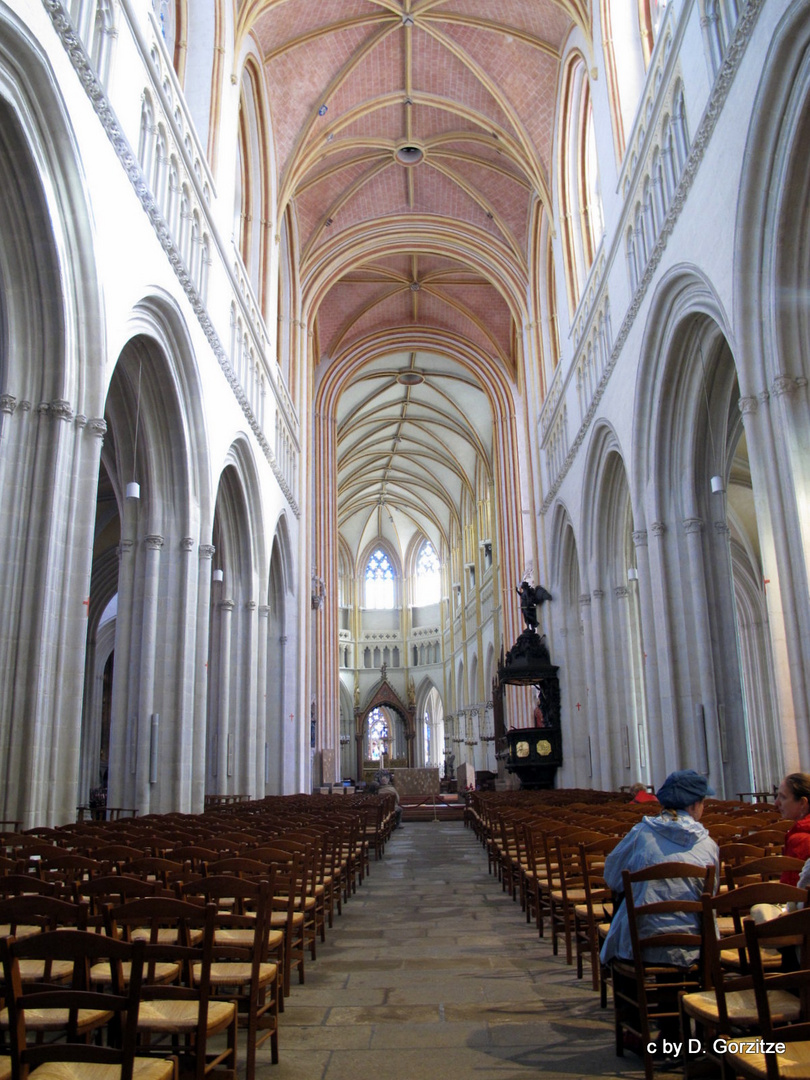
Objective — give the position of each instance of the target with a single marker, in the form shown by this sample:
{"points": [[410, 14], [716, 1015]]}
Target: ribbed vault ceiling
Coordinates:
{"points": [[464, 91]]}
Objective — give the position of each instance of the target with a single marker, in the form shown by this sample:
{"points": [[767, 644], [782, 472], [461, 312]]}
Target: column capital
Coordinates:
{"points": [[154, 542], [264, 611], [693, 525], [784, 384], [722, 528], [250, 605], [658, 528], [207, 551], [748, 405], [187, 543], [640, 538], [125, 547], [585, 599], [58, 409], [97, 426], [8, 403], [598, 594], [621, 592], [226, 605]]}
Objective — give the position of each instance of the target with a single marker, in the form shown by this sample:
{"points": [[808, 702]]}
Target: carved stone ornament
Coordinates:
{"points": [[658, 528], [187, 543], [640, 538], [154, 542], [97, 427], [693, 525], [748, 405], [8, 403], [207, 551]]}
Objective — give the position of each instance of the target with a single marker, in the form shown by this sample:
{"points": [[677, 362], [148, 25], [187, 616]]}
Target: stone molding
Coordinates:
{"points": [[73, 45], [58, 409], [705, 129], [97, 426]]}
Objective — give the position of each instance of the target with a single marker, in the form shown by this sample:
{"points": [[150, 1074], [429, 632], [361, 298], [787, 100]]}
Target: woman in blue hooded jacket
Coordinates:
{"points": [[675, 835]]}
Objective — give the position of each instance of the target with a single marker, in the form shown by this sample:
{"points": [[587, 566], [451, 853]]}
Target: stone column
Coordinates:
{"points": [[603, 708], [200, 717], [783, 614], [182, 738], [649, 655], [590, 704], [146, 687], [124, 718], [224, 711], [261, 703], [706, 750], [247, 739], [665, 649]]}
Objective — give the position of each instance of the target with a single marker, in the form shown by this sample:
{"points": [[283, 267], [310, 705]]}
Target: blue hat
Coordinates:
{"points": [[682, 788]]}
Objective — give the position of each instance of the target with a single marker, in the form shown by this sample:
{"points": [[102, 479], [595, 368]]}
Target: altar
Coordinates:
{"points": [[421, 782]]}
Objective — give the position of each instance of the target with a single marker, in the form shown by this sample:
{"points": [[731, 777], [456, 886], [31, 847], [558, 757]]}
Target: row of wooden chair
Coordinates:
{"points": [[273, 883]]}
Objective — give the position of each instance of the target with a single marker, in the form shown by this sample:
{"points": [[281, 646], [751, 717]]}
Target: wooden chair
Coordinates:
{"points": [[76, 1009], [33, 914], [734, 853], [645, 992], [592, 917], [240, 969], [790, 930], [571, 889], [728, 1003], [181, 1012], [768, 868]]}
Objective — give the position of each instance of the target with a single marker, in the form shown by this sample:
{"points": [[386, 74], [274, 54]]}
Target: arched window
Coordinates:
{"points": [[378, 735], [428, 576], [379, 581], [580, 200]]}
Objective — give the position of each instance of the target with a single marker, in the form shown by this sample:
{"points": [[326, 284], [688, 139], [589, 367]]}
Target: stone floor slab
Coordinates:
{"points": [[432, 972]]}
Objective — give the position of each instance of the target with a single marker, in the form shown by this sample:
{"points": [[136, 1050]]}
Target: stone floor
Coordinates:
{"points": [[432, 972]]}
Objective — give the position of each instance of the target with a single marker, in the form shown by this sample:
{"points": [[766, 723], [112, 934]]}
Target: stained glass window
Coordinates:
{"points": [[379, 581], [377, 735], [428, 576]]}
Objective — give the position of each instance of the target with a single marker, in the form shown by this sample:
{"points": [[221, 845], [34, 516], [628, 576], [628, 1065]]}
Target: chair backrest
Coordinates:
{"points": [[83, 949], [767, 868], [737, 904], [665, 916], [791, 930]]}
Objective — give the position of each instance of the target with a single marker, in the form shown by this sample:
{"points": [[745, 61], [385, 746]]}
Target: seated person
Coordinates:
{"points": [[675, 835], [387, 788], [640, 794]]}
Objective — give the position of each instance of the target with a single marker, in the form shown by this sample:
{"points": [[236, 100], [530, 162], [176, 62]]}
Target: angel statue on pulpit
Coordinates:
{"points": [[531, 597]]}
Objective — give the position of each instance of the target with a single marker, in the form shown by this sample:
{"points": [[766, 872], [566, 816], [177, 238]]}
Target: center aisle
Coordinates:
{"points": [[432, 972]]}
